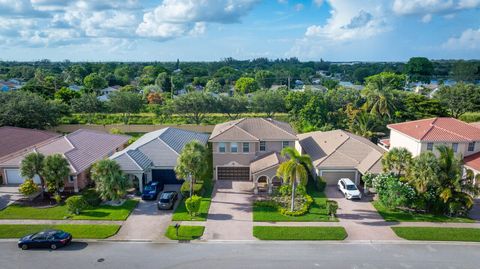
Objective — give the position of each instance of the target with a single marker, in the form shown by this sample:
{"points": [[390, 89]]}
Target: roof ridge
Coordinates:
{"points": [[246, 132], [355, 137], [448, 131], [135, 162], [398, 123], [276, 126], [166, 144], [234, 123]]}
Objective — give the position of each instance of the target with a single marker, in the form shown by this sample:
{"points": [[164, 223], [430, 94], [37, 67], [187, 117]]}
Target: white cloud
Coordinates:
{"points": [[469, 39], [427, 18], [299, 7], [464, 4], [175, 18], [318, 3], [410, 7]]}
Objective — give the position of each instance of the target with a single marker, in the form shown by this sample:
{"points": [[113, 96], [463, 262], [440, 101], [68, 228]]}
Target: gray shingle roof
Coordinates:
{"points": [[178, 138], [140, 159]]}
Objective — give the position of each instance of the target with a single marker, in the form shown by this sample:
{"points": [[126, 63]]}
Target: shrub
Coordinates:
{"points": [[28, 187], [91, 197], [185, 189], [393, 193], [57, 198], [116, 131], [193, 204], [286, 190], [321, 183], [75, 204], [332, 207], [302, 211]]}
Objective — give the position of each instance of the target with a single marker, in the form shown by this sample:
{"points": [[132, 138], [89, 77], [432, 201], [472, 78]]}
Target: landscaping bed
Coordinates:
{"points": [[181, 213], [398, 215], [299, 233], [438, 233], [184, 232], [78, 231], [59, 212]]}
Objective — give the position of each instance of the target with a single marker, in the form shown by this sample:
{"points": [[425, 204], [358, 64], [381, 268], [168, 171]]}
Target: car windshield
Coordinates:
{"points": [[351, 187], [149, 188], [60, 235], [164, 200]]}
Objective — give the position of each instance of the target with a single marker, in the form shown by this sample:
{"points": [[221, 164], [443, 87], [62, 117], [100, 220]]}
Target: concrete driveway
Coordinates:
{"points": [[146, 222], [475, 212], [8, 195], [230, 215], [360, 218]]}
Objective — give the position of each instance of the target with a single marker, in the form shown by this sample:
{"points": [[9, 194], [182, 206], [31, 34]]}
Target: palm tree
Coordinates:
{"points": [[379, 98], [31, 166], [424, 171], [364, 124], [397, 159], [450, 173], [110, 182], [294, 170], [192, 163], [55, 170]]}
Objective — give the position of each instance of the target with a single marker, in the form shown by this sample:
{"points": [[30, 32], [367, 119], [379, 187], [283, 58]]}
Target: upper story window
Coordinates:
{"points": [[430, 146], [222, 147], [71, 178], [263, 146], [455, 147], [246, 147], [233, 147], [285, 144], [471, 146]]}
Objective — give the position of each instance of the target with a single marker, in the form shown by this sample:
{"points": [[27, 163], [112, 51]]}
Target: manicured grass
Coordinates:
{"points": [[400, 215], [77, 231], [185, 232], [299, 233], [438, 233], [181, 213], [317, 212], [102, 212]]}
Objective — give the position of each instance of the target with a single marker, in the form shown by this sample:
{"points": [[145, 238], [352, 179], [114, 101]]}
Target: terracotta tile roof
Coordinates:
{"points": [[473, 161], [438, 130], [13, 139], [253, 129]]}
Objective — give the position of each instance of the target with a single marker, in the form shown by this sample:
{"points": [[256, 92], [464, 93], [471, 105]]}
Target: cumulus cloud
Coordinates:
{"points": [[410, 7], [318, 3], [427, 18], [174, 18], [469, 39]]}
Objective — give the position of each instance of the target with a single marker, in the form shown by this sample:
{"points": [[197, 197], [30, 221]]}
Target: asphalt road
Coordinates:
{"points": [[244, 255]]}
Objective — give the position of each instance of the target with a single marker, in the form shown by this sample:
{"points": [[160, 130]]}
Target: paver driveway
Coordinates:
{"points": [[360, 218], [8, 195], [230, 215], [146, 222]]}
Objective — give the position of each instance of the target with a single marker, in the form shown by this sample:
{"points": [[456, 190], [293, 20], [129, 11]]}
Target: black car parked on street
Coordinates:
{"points": [[45, 239]]}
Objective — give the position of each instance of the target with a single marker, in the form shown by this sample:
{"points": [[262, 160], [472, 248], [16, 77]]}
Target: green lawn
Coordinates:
{"points": [[181, 213], [400, 215], [299, 233], [438, 234], [77, 231], [317, 212], [103, 212], [185, 232]]}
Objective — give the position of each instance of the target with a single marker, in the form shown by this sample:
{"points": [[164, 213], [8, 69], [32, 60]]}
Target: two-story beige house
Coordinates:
{"points": [[424, 135], [249, 149]]}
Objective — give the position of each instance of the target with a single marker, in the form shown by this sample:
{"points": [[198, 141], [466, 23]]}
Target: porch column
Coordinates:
{"points": [[255, 186], [140, 181], [269, 184], [75, 184]]}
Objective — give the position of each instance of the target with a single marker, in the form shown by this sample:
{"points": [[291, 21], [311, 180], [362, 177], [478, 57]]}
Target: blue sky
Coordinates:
{"points": [[204, 30]]}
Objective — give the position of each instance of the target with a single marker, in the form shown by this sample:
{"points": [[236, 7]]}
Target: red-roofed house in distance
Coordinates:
{"points": [[424, 135]]}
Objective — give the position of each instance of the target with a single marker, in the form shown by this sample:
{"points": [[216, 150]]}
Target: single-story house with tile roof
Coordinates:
{"points": [[340, 154], [153, 156], [81, 148]]}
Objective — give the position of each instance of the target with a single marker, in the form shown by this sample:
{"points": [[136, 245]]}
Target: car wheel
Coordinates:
{"points": [[24, 247], [53, 246]]}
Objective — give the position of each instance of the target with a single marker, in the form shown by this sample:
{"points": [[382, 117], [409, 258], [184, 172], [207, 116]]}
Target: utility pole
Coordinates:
{"points": [[288, 83]]}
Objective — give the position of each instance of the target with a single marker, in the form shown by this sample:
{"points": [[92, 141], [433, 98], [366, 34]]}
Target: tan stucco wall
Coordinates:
{"points": [[399, 140]]}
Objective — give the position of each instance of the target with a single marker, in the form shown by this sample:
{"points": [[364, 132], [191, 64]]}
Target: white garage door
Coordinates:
{"points": [[14, 177], [332, 177]]}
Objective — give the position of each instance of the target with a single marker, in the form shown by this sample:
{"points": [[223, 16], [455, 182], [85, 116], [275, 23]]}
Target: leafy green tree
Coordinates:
{"points": [[110, 182], [31, 166], [268, 102], [246, 85], [55, 171], [163, 81], [330, 84], [193, 105], [414, 106], [193, 204], [388, 80], [294, 170], [93, 83], [364, 124], [124, 74], [66, 95], [128, 88], [227, 75], [419, 69], [424, 172], [397, 160], [126, 103], [361, 73], [233, 106], [192, 163], [379, 96], [458, 99], [88, 104], [466, 71], [178, 82], [264, 78], [213, 86], [75, 204]]}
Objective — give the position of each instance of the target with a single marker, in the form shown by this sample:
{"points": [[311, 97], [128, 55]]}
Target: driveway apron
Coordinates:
{"points": [[230, 215]]}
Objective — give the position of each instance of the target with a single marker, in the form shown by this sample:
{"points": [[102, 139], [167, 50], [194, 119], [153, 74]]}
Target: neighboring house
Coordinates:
{"points": [[9, 85], [424, 135], [81, 148], [105, 93], [153, 156], [75, 88], [340, 154], [14, 140], [248, 149]]}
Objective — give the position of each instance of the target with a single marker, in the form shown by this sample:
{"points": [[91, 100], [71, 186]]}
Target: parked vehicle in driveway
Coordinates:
{"points": [[167, 200], [349, 189], [151, 190], [45, 239]]}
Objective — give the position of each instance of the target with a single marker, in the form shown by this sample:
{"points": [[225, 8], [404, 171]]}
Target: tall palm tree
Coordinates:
{"points": [[364, 124], [424, 171], [294, 170], [450, 172], [110, 182], [398, 160], [31, 166], [379, 98], [55, 170], [192, 163]]}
